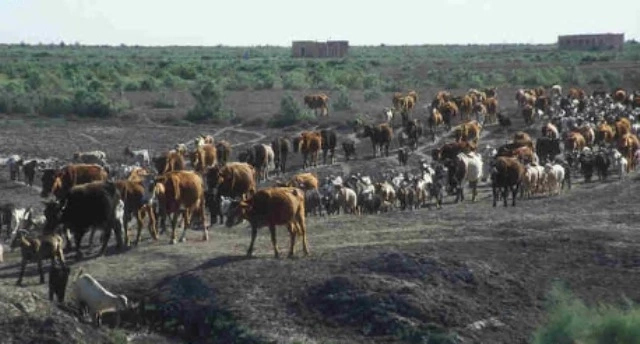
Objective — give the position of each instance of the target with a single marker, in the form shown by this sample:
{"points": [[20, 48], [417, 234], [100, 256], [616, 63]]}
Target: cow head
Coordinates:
{"points": [[238, 211]]}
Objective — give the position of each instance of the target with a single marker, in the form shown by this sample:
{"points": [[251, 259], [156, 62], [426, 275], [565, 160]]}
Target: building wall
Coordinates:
{"points": [[329, 49], [591, 42]]}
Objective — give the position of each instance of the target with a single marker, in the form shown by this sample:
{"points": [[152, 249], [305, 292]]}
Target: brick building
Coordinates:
{"points": [[330, 49], [608, 41]]}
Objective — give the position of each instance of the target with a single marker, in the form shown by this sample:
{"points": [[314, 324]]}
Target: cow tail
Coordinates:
{"points": [[176, 186]]}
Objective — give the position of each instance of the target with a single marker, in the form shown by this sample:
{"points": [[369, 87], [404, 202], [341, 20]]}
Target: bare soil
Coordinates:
{"points": [[468, 272]]}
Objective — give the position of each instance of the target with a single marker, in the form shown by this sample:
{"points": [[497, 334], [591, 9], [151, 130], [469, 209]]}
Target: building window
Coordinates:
{"points": [[302, 51]]}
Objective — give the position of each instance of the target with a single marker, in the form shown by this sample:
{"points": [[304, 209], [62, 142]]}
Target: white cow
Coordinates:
{"points": [[140, 156], [92, 157], [554, 176]]}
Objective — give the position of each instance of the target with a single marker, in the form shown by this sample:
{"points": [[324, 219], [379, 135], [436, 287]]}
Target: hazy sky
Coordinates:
{"points": [[278, 22]]}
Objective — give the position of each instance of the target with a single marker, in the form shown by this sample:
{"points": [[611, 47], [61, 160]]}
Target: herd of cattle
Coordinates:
{"points": [[579, 135]]}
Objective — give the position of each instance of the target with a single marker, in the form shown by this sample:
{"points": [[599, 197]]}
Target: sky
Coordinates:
{"points": [[278, 22]]}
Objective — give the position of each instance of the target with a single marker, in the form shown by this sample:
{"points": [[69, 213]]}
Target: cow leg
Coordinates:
{"points": [[139, 223], [153, 229], [205, 235], [254, 232], [40, 271], [127, 219], [23, 266], [292, 238], [93, 231], [505, 192], [272, 231], [174, 223], [514, 192], [474, 190]]}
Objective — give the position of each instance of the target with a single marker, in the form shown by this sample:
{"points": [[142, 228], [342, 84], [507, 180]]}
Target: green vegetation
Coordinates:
{"points": [[61, 79], [571, 321], [291, 112]]}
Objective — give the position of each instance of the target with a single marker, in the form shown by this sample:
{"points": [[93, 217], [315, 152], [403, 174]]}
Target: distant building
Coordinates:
{"points": [[607, 41], [330, 49]]}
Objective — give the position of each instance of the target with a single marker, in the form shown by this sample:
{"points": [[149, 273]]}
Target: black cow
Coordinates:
{"points": [[58, 279], [587, 164], [349, 148], [329, 141], [547, 148], [88, 205], [602, 163], [29, 170], [281, 148]]}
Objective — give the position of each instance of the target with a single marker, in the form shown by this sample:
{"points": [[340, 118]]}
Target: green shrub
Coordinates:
{"points": [[371, 82], [209, 97], [294, 80], [342, 101], [93, 104], [148, 84], [372, 94], [55, 105], [164, 102], [265, 80], [291, 112], [570, 321]]}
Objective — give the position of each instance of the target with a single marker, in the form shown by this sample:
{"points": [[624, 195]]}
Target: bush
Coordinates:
{"points": [[148, 84], [571, 321], [294, 80], [373, 94], [209, 98], [93, 104], [55, 105], [291, 112], [265, 80], [342, 101], [163, 102]]}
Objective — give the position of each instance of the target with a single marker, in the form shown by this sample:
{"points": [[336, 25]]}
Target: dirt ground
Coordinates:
{"points": [[466, 273]]}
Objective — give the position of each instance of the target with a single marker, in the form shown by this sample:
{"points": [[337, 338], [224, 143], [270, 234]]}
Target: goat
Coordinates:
{"points": [[36, 249], [97, 299]]}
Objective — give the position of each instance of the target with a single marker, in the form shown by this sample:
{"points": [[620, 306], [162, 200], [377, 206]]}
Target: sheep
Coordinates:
{"points": [[97, 299], [36, 249]]}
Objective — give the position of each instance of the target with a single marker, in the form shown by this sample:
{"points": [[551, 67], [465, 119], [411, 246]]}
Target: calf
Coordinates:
{"points": [[554, 177]]}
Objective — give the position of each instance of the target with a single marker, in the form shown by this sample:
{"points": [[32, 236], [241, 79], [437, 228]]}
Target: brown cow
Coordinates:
{"points": [[465, 105], [223, 151], [623, 127], [588, 134], [235, 180], [304, 181], [318, 101], [203, 156], [491, 105], [380, 135], [527, 114], [451, 150], [435, 119], [449, 110], [619, 95], [182, 189], [628, 144], [136, 200], [169, 161], [522, 139], [576, 93], [574, 142], [308, 143], [604, 134], [396, 99], [270, 207], [507, 174], [469, 131], [59, 182]]}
